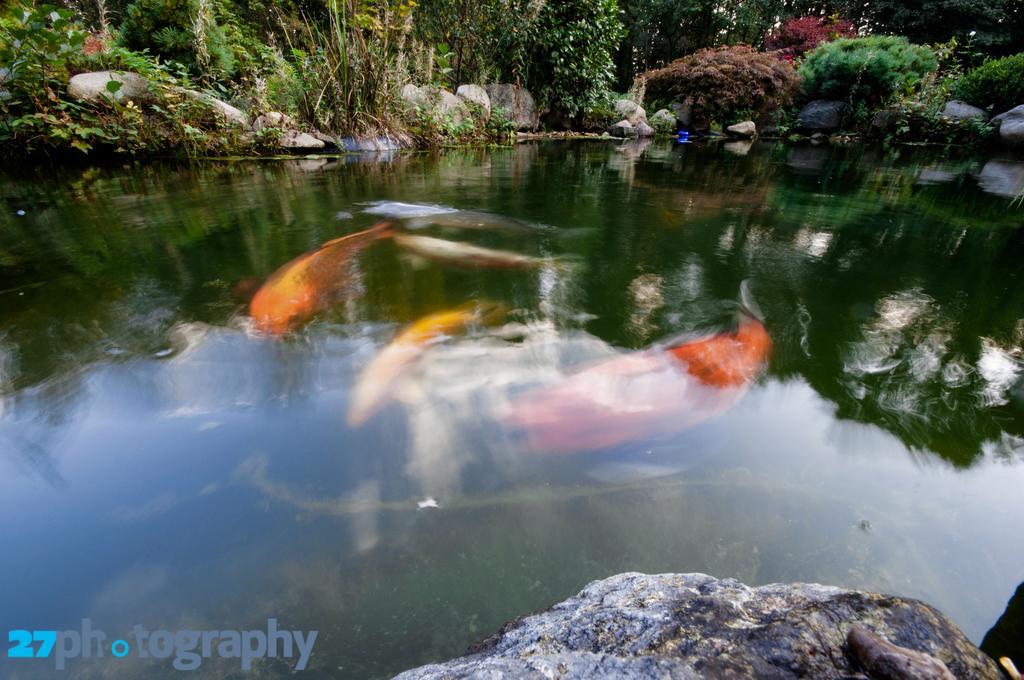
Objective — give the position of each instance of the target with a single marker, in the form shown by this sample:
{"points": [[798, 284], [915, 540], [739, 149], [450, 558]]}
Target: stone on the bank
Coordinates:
{"points": [[664, 120], [477, 95], [299, 141], [884, 120], [516, 103], [272, 119], [644, 130], [823, 115], [622, 129], [683, 112], [958, 110], [223, 110], [1011, 126], [437, 103], [743, 129], [631, 111], [695, 626], [93, 87]]}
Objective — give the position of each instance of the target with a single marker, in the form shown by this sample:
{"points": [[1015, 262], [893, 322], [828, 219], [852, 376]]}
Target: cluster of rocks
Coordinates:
{"points": [[827, 116], [633, 120], [96, 86], [514, 102], [694, 626]]}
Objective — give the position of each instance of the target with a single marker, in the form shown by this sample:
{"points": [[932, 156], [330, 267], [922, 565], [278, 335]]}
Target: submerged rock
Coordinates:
{"points": [[516, 103], [694, 626], [93, 87], [823, 115]]}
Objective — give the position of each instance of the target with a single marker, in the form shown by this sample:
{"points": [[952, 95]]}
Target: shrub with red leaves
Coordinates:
{"points": [[797, 36], [725, 83]]}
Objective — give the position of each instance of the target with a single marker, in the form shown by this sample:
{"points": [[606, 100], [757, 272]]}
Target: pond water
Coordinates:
{"points": [[164, 463]]}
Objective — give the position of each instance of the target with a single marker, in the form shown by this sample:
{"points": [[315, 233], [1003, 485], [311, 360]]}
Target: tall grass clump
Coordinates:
{"points": [[348, 68]]}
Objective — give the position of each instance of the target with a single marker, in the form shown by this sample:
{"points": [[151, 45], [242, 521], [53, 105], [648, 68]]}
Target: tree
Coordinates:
{"points": [[991, 26]]}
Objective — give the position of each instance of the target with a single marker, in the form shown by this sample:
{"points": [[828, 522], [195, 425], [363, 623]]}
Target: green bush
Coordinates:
{"points": [[865, 70], [998, 84], [185, 31], [570, 63]]}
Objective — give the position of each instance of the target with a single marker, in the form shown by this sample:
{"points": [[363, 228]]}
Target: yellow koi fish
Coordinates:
{"points": [[380, 376]]}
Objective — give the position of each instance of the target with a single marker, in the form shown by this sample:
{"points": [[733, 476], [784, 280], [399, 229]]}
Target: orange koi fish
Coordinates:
{"points": [[644, 395], [381, 375], [310, 282]]}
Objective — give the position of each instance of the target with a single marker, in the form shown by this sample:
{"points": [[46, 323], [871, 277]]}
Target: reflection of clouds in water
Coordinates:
{"points": [[904, 364]]}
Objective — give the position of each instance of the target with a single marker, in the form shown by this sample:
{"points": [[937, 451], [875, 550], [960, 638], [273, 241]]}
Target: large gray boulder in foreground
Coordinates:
{"points": [[696, 626]]}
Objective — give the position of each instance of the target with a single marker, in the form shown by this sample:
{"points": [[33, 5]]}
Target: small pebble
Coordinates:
{"points": [[19, 213]]}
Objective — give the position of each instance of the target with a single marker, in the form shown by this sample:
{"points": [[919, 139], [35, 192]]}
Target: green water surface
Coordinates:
{"points": [[163, 464]]}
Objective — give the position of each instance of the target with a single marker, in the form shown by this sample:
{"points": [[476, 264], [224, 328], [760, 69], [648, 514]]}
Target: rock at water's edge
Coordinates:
{"points": [[665, 120], [744, 129], [294, 139], [477, 95], [1011, 126], [516, 103], [694, 626], [622, 129], [823, 115], [958, 110], [631, 111]]}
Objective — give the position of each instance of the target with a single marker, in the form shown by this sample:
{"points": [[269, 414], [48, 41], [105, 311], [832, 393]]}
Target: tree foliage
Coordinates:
{"points": [[865, 69], [570, 65], [998, 84], [725, 83], [799, 35]]}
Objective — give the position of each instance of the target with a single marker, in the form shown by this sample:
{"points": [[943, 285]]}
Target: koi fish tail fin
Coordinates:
{"points": [[748, 305], [383, 229]]}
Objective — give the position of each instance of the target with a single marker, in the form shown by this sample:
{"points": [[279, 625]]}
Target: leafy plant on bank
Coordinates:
{"points": [[570, 63], [867, 70], [997, 84], [726, 83], [429, 129], [918, 113], [41, 48]]}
